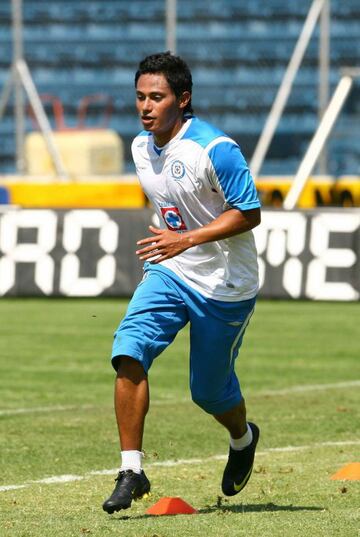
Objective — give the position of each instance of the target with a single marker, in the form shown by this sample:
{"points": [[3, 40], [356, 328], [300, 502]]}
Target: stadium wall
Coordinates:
{"points": [[309, 254]]}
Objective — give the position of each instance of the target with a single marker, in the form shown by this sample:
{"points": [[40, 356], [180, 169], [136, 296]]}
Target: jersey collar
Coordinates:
{"points": [[180, 134]]}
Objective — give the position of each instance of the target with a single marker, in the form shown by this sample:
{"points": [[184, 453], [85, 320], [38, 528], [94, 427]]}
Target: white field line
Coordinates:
{"points": [[161, 402], [66, 408], [41, 409], [171, 463], [311, 388]]}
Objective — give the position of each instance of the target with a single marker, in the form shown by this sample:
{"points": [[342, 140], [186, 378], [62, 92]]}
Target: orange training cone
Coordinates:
{"points": [[350, 472], [171, 506]]}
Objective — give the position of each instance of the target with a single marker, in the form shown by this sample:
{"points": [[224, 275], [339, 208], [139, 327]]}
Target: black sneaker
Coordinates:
{"points": [[239, 466], [129, 486]]}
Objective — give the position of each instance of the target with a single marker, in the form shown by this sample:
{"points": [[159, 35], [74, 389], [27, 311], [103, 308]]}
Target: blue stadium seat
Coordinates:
{"points": [[238, 51]]}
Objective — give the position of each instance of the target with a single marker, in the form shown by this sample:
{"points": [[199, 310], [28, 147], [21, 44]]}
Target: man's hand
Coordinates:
{"points": [[164, 244]]}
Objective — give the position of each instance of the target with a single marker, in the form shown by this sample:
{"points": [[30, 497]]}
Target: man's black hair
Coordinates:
{"points": [[175, 70]]}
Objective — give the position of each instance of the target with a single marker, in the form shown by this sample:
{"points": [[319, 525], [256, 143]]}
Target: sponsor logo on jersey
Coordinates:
{"points": [[173, 218], [177, 169]]}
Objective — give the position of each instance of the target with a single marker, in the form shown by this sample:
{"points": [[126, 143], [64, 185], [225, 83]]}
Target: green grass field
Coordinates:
{"points": [[299, 367]]}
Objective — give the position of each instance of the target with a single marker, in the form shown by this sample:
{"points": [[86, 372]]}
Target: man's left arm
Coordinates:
{"points": [[166, 244]]}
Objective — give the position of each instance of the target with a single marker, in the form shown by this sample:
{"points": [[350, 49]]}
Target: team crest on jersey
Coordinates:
{"points": [[173, 218], [177, 169]]}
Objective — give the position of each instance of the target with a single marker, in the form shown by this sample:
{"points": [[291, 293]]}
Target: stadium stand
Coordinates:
{"points": [[238, 52]]}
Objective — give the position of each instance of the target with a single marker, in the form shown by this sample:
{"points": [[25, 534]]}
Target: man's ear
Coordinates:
{"points": [[184, 99]]}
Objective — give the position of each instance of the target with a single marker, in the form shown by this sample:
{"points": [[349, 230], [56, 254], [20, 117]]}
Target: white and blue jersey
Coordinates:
{"points": [[190, 181]]}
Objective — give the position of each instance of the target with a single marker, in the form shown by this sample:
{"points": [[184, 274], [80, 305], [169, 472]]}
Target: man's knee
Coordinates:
{"points": [[216, 397], [129, 367], [216, 403]]}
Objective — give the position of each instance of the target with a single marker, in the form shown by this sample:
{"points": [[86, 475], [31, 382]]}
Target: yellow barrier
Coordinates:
{"points": [[107, 195], [317, 192], [347, 191], [125, 192]]}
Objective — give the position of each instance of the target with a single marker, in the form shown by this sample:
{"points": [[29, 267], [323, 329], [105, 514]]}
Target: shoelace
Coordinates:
{"points": [[121, 474]]}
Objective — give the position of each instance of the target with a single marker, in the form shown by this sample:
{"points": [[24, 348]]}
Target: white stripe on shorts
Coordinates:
{"points": [[238, 336]]}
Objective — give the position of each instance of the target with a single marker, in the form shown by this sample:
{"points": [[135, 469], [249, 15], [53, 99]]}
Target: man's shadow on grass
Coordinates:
{"points": [[256, 508], [238, 508]]}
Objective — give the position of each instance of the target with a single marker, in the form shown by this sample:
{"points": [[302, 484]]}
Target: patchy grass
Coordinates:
{"points": [[56, 419]]}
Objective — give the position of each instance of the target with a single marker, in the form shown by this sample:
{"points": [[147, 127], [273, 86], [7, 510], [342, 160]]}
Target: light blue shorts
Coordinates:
{"points": [[163, 304]]}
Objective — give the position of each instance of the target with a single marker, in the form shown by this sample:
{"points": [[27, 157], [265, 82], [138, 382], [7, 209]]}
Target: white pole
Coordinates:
{"points": [[324, 128], [171, 25], [324, 66], [19, 93], [6, 92], [25, 77], [285, 88]]}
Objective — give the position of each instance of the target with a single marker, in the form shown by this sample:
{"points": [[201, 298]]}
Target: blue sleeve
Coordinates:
{"points": [[231, 173]]}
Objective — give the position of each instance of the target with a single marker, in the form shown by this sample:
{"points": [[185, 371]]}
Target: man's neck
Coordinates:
{"points": [[164, 138]]}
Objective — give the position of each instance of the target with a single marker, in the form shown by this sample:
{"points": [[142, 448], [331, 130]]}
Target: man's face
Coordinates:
{"points": [[161, 112]]}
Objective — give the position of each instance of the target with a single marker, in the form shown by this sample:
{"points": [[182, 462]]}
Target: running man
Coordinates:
{"points": [[200, 267]]}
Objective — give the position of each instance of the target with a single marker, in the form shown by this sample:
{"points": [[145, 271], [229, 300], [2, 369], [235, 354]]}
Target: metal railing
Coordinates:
{"points": [[286, 84], [20, 79], [321, 135]]}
